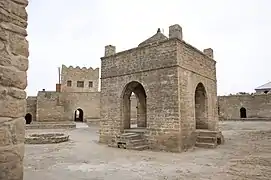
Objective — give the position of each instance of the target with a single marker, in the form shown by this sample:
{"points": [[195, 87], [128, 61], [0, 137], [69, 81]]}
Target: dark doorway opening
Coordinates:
{"points": [[243, 113], [28, 118], [79, 115]]}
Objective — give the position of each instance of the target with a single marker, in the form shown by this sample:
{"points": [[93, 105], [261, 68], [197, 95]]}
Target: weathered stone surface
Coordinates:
{"points": [[13, 81], [18, 45], [14, 28], [12, 107], [11, 153], [20, 62], [13, 92], [12, 77]]}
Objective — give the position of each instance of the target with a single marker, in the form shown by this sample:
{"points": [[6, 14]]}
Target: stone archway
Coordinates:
{"points": [[243, 112], [201, 107], [79, 115], [28, 118], [140, 94]]}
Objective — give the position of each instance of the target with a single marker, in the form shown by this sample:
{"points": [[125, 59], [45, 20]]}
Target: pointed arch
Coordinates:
{"points": [[201, 107], [79, 115], [243, 112], [140, 93]]}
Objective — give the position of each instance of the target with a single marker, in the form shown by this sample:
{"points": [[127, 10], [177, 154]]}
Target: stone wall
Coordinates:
{"points": [[195, 67], [55, 106], [257, 106], [72, 74], [32, 106], [49, 106], [13, 66], [88, 102]]}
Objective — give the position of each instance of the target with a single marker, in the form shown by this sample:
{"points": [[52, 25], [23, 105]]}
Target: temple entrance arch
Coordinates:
{"points": [[201, 107], [28, 118], [79, 115], [243, 112], [141, 110]]}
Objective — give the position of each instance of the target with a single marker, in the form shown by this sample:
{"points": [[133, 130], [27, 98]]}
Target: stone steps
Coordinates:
{"points": [[133, 141], [206, 145], [208, 139]]}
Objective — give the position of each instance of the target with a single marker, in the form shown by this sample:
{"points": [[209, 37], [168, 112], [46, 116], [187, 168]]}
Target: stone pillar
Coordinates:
{"points": [[13, 81], [209, 52], [109, 50], [175, 31]]}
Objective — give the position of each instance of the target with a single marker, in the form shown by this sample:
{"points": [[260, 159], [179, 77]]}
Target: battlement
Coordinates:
{"points": [[77, 79], [77, 68]]}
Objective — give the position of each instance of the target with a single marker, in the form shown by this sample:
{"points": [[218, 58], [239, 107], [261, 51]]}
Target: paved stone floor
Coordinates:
{"points": [[246, 155]]}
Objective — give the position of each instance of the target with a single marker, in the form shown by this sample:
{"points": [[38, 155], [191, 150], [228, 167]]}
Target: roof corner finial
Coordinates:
{"points": [[159, 30]]}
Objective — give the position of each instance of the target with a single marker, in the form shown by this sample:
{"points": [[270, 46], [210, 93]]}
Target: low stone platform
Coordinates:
{"points": [[46, 138], [246, 119], [51, 125]]}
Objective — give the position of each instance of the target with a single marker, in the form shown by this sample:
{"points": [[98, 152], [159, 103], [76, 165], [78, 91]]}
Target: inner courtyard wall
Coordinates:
{"points": [[256, 105], [32, 106], [88, 102], [61, 106], [49, 107]]}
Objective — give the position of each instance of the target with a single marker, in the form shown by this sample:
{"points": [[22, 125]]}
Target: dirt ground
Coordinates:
{"points": [[246, 154]]}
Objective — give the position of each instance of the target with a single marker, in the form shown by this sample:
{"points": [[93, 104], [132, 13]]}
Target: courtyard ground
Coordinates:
{"points": [[246, 154]]}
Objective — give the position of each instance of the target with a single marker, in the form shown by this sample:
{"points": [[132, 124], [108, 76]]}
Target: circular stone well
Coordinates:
{"points": [[46, 138]]}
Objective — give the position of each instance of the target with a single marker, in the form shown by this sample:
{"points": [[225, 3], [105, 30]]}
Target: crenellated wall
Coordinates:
{"points": [[76, 74], [13, 67]]}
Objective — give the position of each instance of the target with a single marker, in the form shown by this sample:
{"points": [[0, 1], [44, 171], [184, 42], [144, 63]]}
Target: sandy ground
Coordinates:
{"points": [[245, 155]]}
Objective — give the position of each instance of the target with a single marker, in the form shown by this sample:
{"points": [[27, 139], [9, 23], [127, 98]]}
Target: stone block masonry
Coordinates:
{"points": [[13, 80], [175, 87]]}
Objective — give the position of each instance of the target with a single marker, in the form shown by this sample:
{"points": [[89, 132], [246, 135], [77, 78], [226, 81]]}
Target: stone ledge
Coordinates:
{"points": [[50, 125], [246, 119], [48, 138]]}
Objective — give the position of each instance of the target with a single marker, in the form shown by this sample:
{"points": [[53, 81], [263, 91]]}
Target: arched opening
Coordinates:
{"points": [[201, 107], [28, 118], [243, 112], [79, 115], [141, 110]]}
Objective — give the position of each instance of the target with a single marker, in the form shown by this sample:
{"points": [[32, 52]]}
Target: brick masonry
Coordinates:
{"points": [[13, 66], [169, 71]]}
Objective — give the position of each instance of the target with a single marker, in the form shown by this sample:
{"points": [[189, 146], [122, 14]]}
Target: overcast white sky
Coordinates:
{"points": [[74, 32]]}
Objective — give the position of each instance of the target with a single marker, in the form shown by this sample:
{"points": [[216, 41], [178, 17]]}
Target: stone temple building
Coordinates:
{"points": [[76, 98], [176, 91]]}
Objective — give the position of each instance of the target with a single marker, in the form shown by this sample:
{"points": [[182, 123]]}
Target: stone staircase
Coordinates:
{"points": [[208, 139], [132, 139]]}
